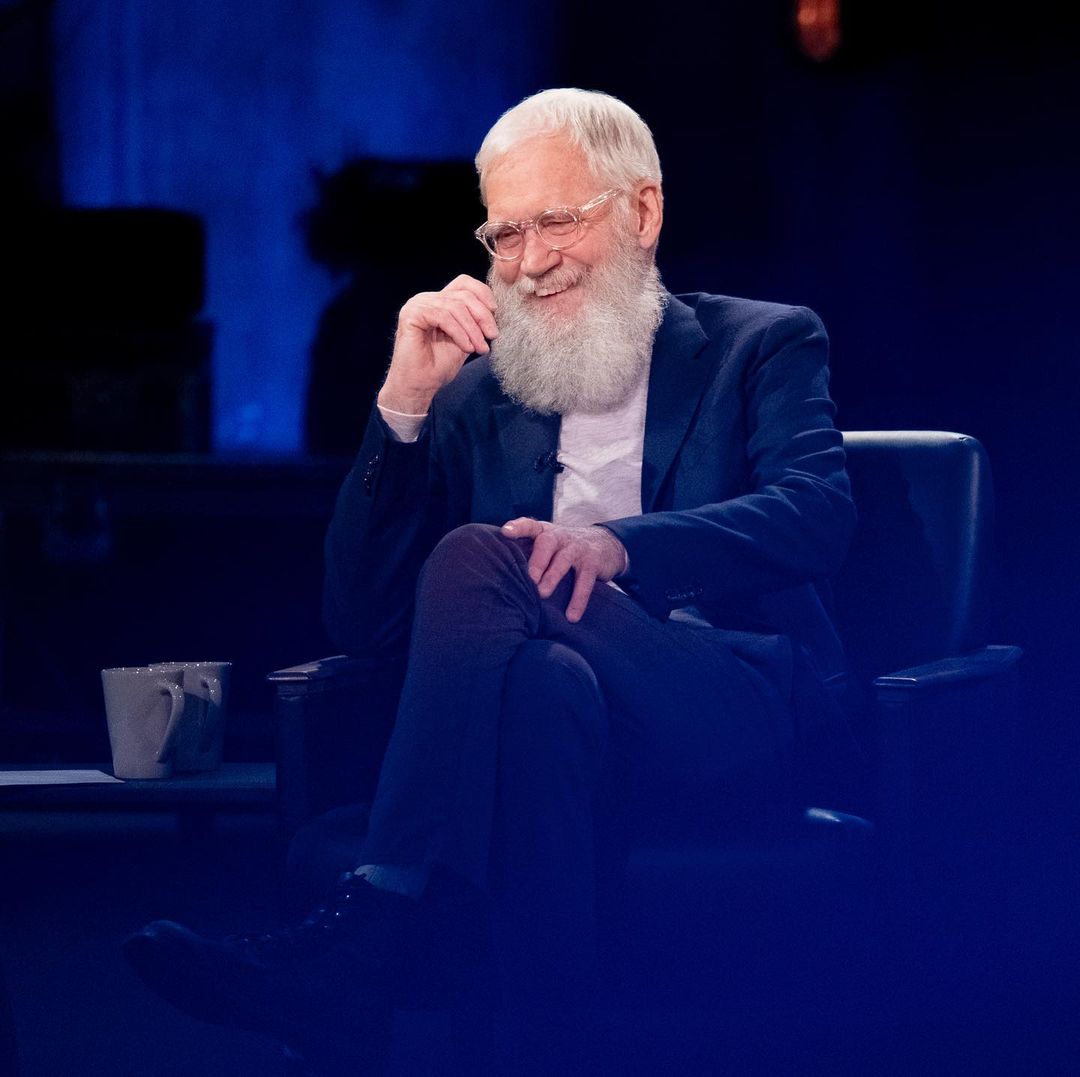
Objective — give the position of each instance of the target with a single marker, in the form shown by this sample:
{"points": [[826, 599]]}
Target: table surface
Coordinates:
{"points": [[234, 785]]}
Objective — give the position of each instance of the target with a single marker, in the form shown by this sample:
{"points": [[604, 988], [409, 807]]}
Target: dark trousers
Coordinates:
{"points": [[521, 737]]}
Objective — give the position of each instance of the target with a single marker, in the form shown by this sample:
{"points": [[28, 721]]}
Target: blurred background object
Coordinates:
{"points": [[105, 348], [393, 228]]}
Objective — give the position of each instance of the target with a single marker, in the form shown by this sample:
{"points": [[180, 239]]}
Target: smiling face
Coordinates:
{"points": [[547, 171], [575, 326]]}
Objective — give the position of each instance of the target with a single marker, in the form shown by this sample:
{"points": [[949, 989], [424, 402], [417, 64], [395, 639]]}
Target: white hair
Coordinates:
{"points": [[617, 144]]}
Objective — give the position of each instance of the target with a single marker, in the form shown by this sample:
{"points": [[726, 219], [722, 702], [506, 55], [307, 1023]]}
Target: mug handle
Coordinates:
{"points": [[175, 711], [213, 690], [213, 686]]}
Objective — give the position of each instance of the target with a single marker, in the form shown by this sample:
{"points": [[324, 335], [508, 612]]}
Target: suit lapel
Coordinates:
{"points": [[677, 378], [526, 436]]}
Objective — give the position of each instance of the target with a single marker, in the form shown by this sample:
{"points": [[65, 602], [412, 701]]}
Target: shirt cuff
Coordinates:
{"points": [[403, 427]]}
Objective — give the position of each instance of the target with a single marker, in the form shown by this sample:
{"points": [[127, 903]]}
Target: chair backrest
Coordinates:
{"points": [[914, 586]]}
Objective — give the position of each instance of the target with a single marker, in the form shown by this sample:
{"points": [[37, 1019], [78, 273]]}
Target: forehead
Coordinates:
{"points": [[543, 171]]}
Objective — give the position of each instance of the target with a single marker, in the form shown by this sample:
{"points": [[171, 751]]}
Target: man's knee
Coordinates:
{"points": [[470, 549], [551, 696]]}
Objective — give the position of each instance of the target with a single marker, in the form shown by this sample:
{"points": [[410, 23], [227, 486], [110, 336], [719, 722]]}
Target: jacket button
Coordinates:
{"points": [[369, 473], [686, 595]]}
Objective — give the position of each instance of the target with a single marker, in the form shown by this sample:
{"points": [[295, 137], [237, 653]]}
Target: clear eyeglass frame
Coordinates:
{"points": [[488, 231]]}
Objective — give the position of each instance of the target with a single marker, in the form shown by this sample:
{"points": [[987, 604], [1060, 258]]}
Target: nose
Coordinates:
{"points": [[537, 257]]}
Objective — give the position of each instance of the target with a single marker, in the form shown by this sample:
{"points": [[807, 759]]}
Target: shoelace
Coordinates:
{"points": [[322, 921]]}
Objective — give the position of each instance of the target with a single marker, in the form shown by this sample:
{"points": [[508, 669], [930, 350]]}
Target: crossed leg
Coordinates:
{"points": [[517, 729]]}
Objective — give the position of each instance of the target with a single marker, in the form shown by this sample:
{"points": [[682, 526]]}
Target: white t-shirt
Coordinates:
{"points": [[600, 454]]}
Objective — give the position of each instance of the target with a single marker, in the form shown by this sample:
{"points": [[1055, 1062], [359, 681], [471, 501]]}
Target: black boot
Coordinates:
{"points": [[341, 970]]}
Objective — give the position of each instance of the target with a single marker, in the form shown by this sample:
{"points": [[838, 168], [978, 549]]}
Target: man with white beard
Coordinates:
{"points": [[601, 540]]}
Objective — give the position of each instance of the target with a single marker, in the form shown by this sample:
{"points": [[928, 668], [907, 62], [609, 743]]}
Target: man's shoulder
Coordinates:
{"points": [[724, 315]]}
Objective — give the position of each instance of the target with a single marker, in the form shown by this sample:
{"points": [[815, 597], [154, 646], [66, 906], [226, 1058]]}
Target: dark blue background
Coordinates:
{"points": [[919, 191]]}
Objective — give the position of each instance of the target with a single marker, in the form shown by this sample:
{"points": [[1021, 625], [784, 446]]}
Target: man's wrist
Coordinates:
{"points": [[618, 542], [404, 402]]}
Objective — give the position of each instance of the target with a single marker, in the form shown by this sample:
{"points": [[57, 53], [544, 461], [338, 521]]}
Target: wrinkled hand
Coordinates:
{"points": [[436, 331], [594, 553]]}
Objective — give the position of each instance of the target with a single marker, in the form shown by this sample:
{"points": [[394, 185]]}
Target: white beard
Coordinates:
{"points": [[589, 361]]}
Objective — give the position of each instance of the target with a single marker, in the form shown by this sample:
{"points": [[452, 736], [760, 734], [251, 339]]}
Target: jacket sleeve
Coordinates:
{"points": [[794, 524], [389, 514]]}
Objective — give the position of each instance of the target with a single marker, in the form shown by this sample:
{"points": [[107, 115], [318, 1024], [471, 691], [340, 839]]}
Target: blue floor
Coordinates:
{"points": [[73, 888], [977, 972]]}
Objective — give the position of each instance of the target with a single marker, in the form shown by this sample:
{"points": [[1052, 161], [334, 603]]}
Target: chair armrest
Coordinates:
{"points": [[947, 736], [320, 674], [320, 669], [332, 720], [993, 661]]}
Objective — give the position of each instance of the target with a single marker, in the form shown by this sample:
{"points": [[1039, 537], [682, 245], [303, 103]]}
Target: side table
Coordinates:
{"points": [[196, 799]]}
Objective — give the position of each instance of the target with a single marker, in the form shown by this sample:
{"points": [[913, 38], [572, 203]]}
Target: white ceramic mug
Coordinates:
{"points": [[143, 707], [201, 736]]}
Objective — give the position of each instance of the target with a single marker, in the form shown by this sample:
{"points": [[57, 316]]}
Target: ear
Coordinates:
{"points": [[647, 201]]}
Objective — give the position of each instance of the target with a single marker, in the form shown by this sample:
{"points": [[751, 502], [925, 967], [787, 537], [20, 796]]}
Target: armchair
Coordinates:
{"points": [[913, 603], [937, 704]]}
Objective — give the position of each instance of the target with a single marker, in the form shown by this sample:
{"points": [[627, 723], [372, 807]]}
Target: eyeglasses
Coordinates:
{"points": [[558, 228]]}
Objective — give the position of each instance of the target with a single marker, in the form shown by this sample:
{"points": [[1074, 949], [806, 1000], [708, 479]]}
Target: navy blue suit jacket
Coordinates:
{"points": [[747, 507]]}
